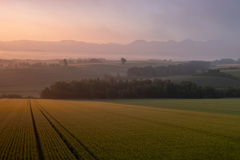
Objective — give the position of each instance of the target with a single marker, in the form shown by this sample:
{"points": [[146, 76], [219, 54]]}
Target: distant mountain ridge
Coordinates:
{"points": [[139, 49]]}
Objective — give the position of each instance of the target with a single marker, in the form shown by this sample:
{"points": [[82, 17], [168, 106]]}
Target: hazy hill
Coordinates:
{"points": [[139, 49]]}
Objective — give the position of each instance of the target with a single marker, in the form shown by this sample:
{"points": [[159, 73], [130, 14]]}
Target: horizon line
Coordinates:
{"points": [[72, 40]]}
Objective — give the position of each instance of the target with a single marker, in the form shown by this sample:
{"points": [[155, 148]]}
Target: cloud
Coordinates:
{"points": [[205, 19], [129, 19]]}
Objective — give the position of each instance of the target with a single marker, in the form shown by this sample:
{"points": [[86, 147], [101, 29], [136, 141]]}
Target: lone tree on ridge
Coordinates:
{"points": [[123, 60]]}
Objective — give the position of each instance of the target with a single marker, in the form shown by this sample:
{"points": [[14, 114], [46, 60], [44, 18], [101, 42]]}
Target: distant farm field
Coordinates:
{"points": [[216, 82], [233, 72], [31, 81], [120, 129]]}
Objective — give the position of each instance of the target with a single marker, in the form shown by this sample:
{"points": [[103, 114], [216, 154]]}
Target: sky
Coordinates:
{"points": [[119, 21]]}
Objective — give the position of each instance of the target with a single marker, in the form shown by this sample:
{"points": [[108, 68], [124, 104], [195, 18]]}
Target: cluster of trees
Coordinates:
{"points": [[188, 68], [17, 65], [113, 89], [86, 60]]}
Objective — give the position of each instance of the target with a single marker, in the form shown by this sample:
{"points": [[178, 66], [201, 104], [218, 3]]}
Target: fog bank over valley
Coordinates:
{"points": [[138, 50]]}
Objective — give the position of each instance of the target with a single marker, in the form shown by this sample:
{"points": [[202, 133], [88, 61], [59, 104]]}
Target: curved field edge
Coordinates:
{"points": [[216, 82], [219, 106]]}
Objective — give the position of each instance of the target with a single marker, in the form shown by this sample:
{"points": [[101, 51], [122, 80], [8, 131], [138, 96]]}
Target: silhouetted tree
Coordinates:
{"points": [[65, 63], [123, 60]]}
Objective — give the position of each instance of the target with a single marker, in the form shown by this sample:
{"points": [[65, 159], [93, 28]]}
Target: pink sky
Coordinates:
{"points": [[118, 21]]}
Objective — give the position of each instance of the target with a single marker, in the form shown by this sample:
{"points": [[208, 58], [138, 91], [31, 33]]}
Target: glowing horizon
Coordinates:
{"points": [[119, 21]]}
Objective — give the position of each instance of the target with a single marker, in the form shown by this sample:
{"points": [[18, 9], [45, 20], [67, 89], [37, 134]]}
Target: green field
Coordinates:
{"points": [[233, 72], [120, 129], [216, 82]]}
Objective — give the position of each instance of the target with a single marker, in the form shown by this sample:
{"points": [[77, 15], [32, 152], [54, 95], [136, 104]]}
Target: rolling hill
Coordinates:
{"points": [[139, 49]]}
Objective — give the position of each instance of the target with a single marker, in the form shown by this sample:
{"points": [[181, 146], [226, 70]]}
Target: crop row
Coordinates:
{"points": [[17, 138], [28, 131], [115, 131], [51, 144], [77, 148], [80, 126], [51, 129]]}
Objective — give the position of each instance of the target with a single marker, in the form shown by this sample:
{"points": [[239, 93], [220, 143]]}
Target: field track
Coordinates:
{"points": [[40, 153], [77, 148], [17, 138], [50, 139]]}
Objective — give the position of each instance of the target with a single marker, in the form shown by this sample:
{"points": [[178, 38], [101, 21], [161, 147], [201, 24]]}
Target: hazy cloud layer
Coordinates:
{"points": [[121, 21]]}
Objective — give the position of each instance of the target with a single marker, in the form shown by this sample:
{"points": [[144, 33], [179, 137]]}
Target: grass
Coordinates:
{"points": [[216, 82], [120, 129], [233, 72], [219, 106]]}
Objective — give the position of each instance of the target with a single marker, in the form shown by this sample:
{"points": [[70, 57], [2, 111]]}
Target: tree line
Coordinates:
{"points": [[10, 96], [188, 68], [127, 89]]}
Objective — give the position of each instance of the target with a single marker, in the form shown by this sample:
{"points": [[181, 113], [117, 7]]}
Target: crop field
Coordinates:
{"points": [[120, 129], [216, 82]]}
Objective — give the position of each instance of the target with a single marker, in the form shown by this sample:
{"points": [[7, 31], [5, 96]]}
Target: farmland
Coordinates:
{"points": [[120, 129], [233, 72], [31, 81]]}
